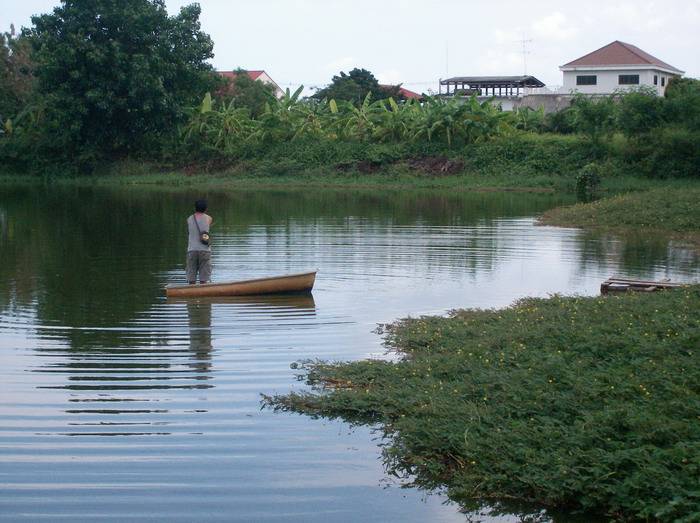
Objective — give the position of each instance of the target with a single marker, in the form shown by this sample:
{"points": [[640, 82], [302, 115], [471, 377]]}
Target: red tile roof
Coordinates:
{"points": [[403, 92], [253, 74], [619, 53]]}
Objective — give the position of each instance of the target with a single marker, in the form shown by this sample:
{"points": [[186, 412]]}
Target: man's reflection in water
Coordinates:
{"points": [[199, 316]]}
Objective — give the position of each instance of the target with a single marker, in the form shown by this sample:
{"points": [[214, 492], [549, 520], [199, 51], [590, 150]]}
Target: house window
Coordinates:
{"points": [[628, 79], [656, 79], [586, 80], [663, 81]]}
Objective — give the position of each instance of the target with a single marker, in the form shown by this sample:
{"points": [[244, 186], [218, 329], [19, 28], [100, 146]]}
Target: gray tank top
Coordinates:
{"points": [[193, 243]]}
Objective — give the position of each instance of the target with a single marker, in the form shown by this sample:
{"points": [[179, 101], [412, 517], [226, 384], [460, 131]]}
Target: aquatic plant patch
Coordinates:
{"points": [[581, 403]]}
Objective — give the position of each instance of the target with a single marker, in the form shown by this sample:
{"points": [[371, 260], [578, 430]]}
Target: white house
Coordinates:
{"points": [[616, 66]]}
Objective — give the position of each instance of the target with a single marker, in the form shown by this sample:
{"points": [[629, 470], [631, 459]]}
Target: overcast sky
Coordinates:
{"points": [[306, 42]]}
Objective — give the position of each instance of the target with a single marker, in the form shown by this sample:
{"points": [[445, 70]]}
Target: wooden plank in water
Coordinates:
{"points": [[664, 283], [624, 284]]}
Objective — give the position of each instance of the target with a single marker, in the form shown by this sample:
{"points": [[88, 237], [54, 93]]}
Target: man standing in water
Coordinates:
{"points": [[198, 253]]}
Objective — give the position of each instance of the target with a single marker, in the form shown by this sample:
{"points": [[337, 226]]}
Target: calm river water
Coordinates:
{"points": [[119, 404]]}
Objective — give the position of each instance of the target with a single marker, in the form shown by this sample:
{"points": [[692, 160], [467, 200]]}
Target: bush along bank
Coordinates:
{"points": [[456, 136], [526, 159], [520, 157], [583, 404]]}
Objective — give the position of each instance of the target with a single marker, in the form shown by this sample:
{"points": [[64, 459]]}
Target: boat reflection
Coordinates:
{"points": [[303, 301]]}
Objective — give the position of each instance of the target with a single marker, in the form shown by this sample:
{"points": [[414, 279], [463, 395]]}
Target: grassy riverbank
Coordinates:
{"points": [[671, 211], [396, 176], [576, 403], [523, 160]]}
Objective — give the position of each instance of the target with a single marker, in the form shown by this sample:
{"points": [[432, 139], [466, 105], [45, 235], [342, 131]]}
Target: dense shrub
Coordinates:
{"points": [[666, 153], [533, 154]]}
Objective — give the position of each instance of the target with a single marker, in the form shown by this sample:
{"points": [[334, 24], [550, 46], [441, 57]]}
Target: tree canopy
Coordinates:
{"points": [[354, 86], [115, 73], [17, 81], [683, 100]]}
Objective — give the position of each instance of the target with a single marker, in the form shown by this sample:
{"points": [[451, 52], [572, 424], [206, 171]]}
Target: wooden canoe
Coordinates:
{"points": [[285, 283]]}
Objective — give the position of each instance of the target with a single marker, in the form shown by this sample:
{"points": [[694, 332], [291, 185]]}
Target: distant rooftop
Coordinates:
{"points": [[490, 85], [253, 74], [476, 82], [404, 92], [619, 54]]}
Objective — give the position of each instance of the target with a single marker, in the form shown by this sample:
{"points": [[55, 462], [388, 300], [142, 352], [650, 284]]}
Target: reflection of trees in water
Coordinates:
{"points": [[90, 256], [96, 258], [83, 257], [399, 207], [643, 256]]}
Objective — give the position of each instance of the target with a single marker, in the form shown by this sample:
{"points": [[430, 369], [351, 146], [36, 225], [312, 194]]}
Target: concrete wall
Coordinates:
{"points": [[550, 102]]}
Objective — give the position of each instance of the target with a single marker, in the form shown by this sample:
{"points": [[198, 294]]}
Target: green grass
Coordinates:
{"points": [[671, 210], [584, 404], [390, 176]]}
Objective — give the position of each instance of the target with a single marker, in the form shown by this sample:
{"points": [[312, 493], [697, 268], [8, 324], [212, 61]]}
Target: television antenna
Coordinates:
{"points": [[447, 58], [525, 51]]}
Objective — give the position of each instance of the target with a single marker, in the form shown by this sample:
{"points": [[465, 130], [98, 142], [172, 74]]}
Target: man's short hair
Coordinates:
{"points": [[200, 205]]}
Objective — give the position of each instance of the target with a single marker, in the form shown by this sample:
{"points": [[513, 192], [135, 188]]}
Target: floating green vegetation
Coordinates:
{"points": [[581, 404]]}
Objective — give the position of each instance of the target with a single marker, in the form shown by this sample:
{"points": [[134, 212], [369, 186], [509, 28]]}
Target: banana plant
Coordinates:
{"points": [[233, 125], [198, 120], [31, 120], [485, 120], [461, 120], [217, 128], [276, 122], [398, 120], [311, 119], [438, 119], [357, 122], [528, 119]]}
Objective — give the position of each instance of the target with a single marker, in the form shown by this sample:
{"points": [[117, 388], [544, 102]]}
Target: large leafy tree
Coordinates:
{"points": [[595, 118], [117, 73], [640, 111], [354, 87], [17, 81], [683, 102]]}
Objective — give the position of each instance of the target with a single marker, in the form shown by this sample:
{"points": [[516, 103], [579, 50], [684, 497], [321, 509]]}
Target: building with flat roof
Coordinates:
{"points": [[490, 85], [507, 91]]}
